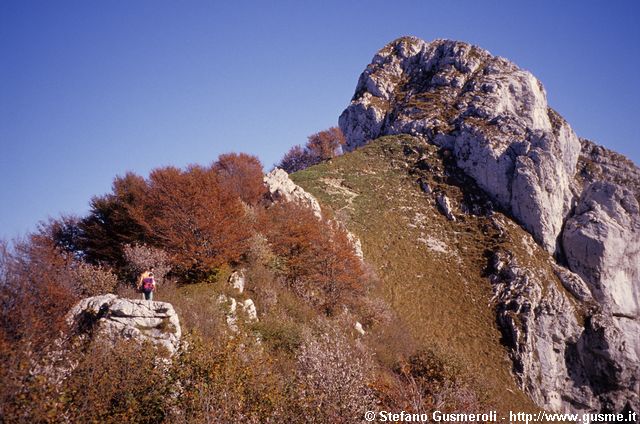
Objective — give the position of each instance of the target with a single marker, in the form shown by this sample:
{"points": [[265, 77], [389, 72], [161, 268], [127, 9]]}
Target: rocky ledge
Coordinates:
{"points": [[115, 318]]}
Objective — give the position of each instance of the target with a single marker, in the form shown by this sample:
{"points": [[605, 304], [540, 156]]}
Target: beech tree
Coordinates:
{"points": [[296, 159], [241, 174], [115, 219], [195, 218], [320, 146], [320, 263], [36, 291], [326, 144]]}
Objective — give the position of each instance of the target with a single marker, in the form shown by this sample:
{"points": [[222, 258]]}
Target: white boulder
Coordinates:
{"points": [[281, 187], [114, 318], [237, 280]]}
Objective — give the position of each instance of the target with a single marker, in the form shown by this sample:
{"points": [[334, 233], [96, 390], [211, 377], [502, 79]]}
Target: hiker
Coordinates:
{"points": [[147, 284]]}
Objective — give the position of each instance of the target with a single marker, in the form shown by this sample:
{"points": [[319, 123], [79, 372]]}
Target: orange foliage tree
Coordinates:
{"points": [[194, 218], [196, 215], [241, 174], [114, 220], [326, 144], [320, 263], [320, 146], [38, 288]]}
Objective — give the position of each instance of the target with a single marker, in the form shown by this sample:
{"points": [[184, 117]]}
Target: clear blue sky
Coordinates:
{"points": [[92, 89]]}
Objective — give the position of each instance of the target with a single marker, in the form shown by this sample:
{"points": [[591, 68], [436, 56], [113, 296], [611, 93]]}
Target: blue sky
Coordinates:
{"points": [[92, 89]]}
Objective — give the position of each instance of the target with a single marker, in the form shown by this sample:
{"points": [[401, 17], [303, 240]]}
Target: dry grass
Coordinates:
{"points": [[440, 293]]}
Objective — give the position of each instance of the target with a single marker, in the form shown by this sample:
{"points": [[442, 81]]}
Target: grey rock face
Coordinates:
{"points": [[564, 365], [573, 283], [540, 331], [602, 244], [112, 317], [597, 163], [491, 114], [608, 351]]}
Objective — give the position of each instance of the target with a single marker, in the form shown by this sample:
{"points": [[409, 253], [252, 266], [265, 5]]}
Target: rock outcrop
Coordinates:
{"points": [[233, 309], [602, 245], [579, 201], [237, 280], [597, 163], [444, 204], [540, 327], [281, 187], [112, 318]]}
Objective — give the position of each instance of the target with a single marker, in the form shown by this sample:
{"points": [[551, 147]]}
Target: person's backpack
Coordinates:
{"points": [[147, 284]]}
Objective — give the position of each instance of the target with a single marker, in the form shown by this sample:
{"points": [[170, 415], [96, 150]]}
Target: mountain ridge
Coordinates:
{"points": [[468, 252]]}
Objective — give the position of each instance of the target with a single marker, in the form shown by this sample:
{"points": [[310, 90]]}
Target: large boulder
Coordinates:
{"points": [[111, 318]]}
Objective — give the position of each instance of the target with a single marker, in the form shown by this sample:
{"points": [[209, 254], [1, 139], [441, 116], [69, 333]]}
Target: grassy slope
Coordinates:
{"points": [[431, 269]]}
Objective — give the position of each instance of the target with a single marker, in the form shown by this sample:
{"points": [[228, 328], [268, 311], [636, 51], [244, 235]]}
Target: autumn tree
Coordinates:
{"points": [[320, 264], [38, 289], [241, 174], [194, 218], [296, 159], [326, 144], [65, 233], [193, 214], [320, 146], [114, 220]]}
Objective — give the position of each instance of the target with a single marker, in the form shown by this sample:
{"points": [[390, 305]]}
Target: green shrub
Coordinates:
{"points": [[280, 335]]}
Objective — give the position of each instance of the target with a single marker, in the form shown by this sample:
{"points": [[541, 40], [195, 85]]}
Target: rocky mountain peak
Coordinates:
{"points": [[491, 114], [578, 200]]}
